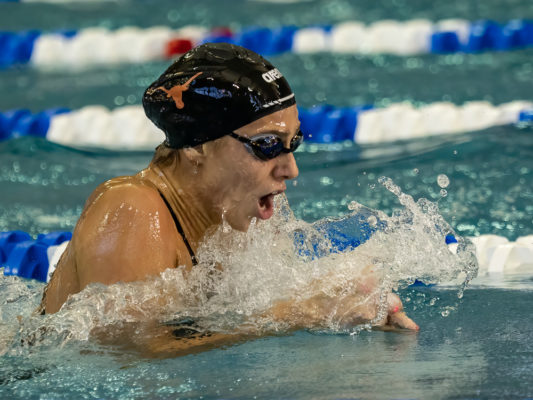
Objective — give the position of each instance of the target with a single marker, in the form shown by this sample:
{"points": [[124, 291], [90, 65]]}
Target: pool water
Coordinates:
{"points": [[474, 346], [469, 354]]}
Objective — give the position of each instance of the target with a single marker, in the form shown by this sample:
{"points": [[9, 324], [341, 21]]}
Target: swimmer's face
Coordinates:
{"points": [[237, 184]]}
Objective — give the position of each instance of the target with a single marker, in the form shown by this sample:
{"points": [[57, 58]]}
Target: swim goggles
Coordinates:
{"points": [[269, 146]]}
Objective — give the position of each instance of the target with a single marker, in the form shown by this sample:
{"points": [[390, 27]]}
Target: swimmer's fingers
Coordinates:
{"points": [[396, 319], [400, 320]]}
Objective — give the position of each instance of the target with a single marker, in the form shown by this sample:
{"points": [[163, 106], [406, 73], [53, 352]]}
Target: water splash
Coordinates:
{"points": [[242, 277], [415, 236]]}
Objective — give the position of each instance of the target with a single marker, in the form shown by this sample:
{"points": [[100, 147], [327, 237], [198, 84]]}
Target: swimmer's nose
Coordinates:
{"points": [[286, 167]]}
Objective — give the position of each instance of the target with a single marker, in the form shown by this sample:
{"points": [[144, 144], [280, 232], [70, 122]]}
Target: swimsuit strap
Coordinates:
{"points": [[180, 231]]}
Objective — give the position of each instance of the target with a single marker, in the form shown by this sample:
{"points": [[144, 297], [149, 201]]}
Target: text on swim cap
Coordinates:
{"points": [[272, 75]]}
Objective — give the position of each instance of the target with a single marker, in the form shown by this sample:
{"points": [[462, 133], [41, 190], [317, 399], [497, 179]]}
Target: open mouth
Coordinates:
{"points": [[266, 205]]}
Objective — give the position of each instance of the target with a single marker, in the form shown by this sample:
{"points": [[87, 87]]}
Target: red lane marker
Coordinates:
{"points": [[178, 46]]}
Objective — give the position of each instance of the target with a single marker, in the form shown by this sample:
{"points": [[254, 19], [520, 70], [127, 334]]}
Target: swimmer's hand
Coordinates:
{"points": [[341, 307], [396, 318]]}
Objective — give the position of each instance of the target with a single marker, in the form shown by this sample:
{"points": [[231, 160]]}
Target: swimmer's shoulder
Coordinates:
{"points": [[128, 201], [124, 233], [133, 188]]}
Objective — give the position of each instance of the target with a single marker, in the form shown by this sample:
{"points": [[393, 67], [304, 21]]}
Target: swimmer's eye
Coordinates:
{"points": [[267, 147]]}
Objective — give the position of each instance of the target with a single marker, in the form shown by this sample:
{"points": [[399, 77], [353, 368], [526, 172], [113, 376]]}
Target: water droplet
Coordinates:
{"points": [[416, 171], [443, 180], [326, 181], [354, 206]]}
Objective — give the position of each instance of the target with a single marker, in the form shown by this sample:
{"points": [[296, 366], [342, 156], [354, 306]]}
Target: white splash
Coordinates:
{"points": [[242, 276]]}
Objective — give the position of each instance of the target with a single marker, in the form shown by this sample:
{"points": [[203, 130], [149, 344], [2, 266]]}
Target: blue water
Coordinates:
{"points": [[481, 346]]}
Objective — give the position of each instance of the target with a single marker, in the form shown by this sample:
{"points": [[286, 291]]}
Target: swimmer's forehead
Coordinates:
{"points": [[281, 129], [282, 123]]}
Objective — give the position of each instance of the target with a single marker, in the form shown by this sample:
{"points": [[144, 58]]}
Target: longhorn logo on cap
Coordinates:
{"points": [[176, 92]]}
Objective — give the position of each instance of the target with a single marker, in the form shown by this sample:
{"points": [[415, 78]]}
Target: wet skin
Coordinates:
{"points": [[126, 232]]}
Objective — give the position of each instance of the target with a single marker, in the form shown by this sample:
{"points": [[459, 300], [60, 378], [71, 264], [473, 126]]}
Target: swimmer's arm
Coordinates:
{"points": [[166, 345], [359, 306], [152, 340], [313, 312], [124, 236]]}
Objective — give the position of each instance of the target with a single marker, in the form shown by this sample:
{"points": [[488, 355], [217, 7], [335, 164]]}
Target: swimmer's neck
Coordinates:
{"points": [[177, 187]]}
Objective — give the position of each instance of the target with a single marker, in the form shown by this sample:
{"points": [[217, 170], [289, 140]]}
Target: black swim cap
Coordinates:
{"points": [[212, 90]]}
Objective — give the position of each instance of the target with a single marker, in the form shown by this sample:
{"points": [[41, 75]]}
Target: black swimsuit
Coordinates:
{"points": [[180, 231]]}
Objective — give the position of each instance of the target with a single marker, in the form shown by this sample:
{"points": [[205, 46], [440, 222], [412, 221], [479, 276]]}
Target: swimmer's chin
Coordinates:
{"points": [[244, 227], [241, 226]]}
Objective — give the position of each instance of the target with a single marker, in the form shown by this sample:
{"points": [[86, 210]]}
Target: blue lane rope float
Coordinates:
{"points": [[328, 124], [16, 123], [96, 126], [98, 45], [16, 48], [8, 240], [341, 234], [22, 256], [526, 116]]}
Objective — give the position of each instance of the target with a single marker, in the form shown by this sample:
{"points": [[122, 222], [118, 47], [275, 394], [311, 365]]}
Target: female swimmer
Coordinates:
{"points": [[231, 126]]}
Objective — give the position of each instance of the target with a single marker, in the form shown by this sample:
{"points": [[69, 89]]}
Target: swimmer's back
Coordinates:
{"points": [[125, 233]]}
